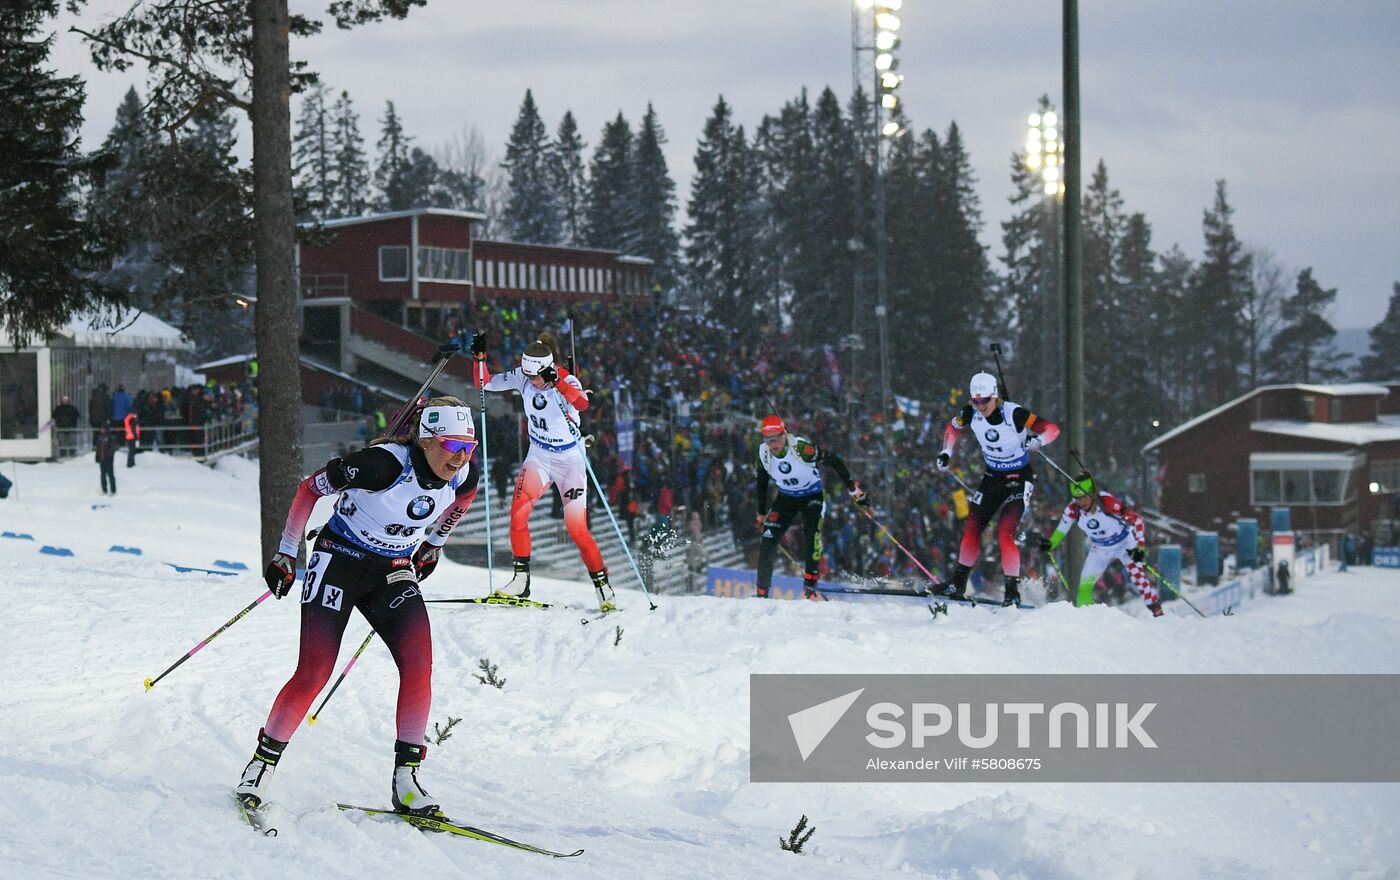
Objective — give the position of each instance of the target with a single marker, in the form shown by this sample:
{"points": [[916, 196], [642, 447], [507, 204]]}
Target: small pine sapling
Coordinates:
{"points": [[443, 733], [796, 840], [490, 678]]}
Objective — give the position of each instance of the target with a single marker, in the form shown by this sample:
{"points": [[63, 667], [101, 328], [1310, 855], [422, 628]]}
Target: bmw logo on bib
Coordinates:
{"points": [[993, 435], [539, 401], [784, 467], [421, 507], [1093, 524]]}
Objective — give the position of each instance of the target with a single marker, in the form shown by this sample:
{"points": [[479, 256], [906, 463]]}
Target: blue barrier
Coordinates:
{"points": [[188, 569], [234, 566], [1385, 557], [55, 551], [19, 536], [117, 548], [102, 507], [1207, 558], [1247, 544], [1279, 520]]}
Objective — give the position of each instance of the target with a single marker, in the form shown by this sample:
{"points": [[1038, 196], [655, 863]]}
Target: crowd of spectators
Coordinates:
{"points": [[694, 392]]}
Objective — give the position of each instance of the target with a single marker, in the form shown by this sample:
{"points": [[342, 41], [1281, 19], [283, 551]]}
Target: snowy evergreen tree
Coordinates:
{"points": [[1383, 362], [1104, 319], [46, 251], [570, 179], [784, 145], [1144, 339], [1304, 349], [724, 211], [654, 201], [117, 187], [1175, 275], [393, 164], [1215, 312], [313, 156], [960, 279], [611, 219], [831, 227], [533, 213], [352, 195]]}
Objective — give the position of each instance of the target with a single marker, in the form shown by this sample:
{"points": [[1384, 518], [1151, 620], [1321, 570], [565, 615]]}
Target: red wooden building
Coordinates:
{"points": [[378, 293], [1331, 453]]}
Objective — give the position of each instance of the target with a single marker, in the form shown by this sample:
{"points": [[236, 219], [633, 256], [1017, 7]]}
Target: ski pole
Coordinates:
{"points": [[1052, 463], [311, 719], [485, 473], [996, 353], [603, 497], [440, 359], [912, 558], [151, 682], [1158, 575]]}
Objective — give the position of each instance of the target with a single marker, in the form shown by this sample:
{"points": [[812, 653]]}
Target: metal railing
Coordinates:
{"points": [[200, 442]]}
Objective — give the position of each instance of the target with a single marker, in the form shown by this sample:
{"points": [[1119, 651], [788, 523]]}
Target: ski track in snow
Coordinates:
{"points": [[636, 752]]}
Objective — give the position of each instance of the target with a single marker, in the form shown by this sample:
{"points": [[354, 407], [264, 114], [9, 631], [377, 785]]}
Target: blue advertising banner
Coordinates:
{"points": [[739, 583], [1385, 557]]}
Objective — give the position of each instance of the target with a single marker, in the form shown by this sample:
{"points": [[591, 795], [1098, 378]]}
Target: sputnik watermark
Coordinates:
{"points": [[1064, 728]]}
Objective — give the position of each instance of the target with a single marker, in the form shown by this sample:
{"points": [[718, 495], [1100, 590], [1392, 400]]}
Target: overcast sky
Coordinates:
{"points": [[1295, 103]]}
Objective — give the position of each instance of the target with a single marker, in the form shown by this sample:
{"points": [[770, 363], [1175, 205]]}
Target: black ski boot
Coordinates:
{"points": [[257, 776], [957, 587], [761, 592], [809, 588], [1011, 593], [1156, 609], [409, 796], [519, 586], [606, 600]]}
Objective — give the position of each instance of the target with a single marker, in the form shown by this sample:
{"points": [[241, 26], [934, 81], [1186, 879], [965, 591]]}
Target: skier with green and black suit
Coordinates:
{"points": [[793, 464]]}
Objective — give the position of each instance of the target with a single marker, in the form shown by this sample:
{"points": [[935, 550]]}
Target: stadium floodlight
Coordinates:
{"points": [[891, 129], [886, 40], [864, 4], [1044, 151], [887, 21], [890, 80], [884, 61], [889, 102]]}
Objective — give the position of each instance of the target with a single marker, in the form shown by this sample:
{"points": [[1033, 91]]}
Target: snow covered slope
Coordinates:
{"points": [[635, 751]]}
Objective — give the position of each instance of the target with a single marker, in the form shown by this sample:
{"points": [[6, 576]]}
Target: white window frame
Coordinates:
{"points": [[1305, 465]]}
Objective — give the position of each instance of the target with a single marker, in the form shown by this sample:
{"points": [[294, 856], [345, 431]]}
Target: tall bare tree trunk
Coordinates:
{"points": [[277, 328]]}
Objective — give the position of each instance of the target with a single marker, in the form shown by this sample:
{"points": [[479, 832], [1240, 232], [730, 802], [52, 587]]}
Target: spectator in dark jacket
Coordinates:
{"points": [[65, 421], [100, 406], [106, 446]]}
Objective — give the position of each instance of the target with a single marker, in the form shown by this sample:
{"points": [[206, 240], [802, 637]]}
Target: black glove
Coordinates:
{"points": [[425, 559], [549, 374], [1044, 543], [479, 347], [944, 459], [1138, 553], [280, 574]]}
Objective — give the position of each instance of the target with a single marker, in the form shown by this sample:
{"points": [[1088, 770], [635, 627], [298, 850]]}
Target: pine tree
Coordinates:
{"points": [[46, 251], [533, 213], [1144, 339], [1173, 305], [832, 225], [1383, 362], [569, 179], [960, 278], [722, 210], [611, 218], [118, 186], [351, 167], [1262, 310], [1219, 294], [1303, 349], [313, 157], [394, 148], [1106, 414], [784, 145], [654, 200]]}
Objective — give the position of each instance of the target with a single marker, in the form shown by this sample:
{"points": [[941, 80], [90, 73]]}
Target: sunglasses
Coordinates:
{"points": [[981, 400], [455, 446]]}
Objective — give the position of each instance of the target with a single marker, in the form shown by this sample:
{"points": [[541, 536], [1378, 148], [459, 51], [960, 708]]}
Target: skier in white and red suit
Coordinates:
{"points": [[1008, 435], [553, 399]]}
